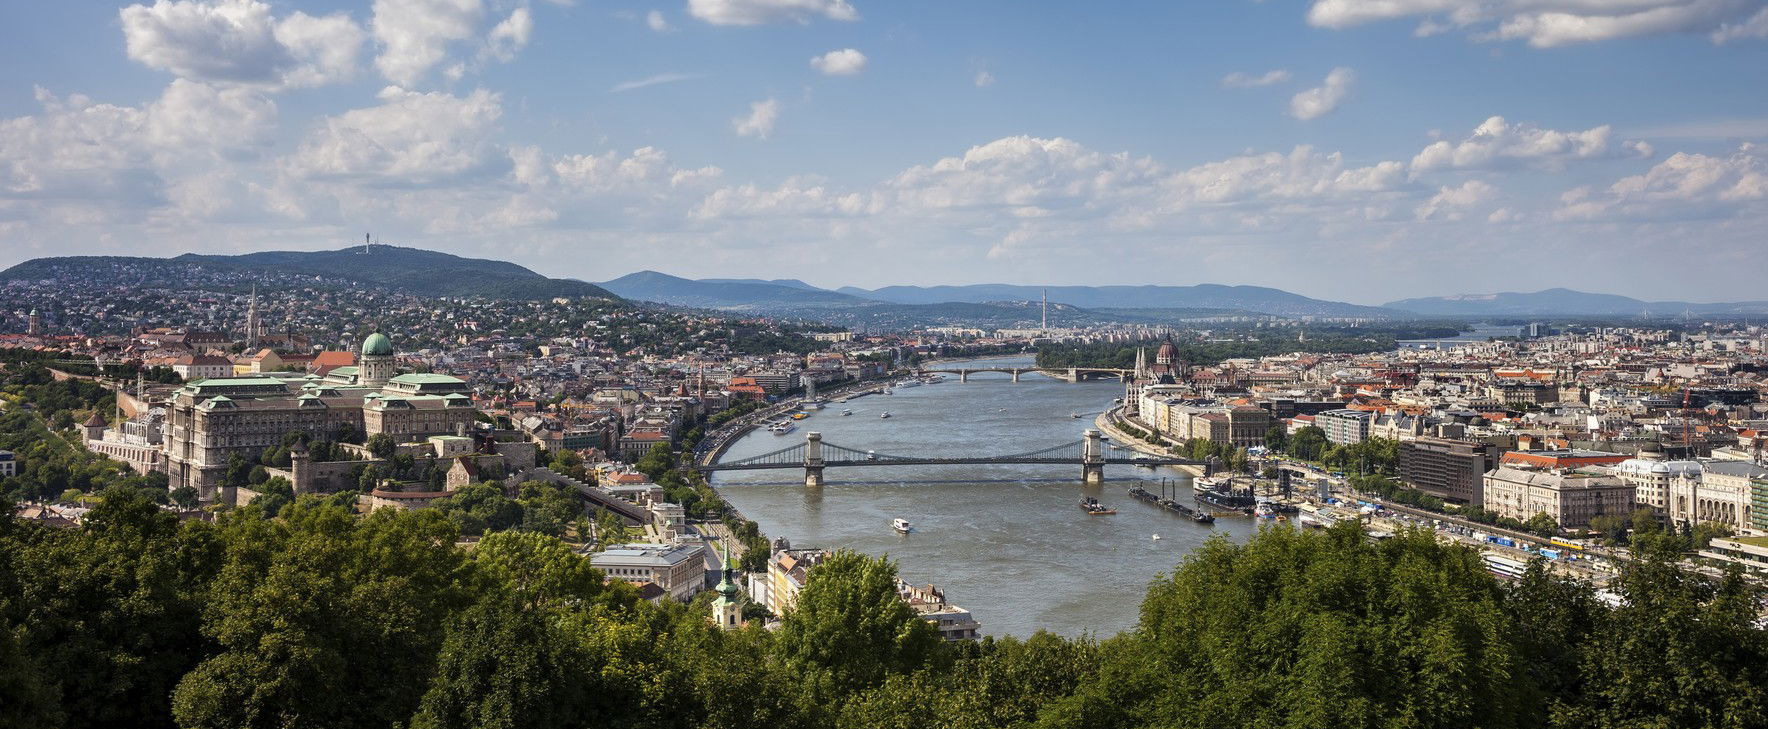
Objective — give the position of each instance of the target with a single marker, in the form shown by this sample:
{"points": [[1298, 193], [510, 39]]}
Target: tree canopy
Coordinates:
{"points": [[319, 617]]}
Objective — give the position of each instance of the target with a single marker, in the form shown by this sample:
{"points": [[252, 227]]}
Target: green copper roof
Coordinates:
{"points": [[420, 378], [378, 345]]}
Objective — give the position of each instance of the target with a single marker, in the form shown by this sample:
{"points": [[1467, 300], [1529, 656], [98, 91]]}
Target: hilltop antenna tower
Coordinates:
{"points": [[1046, 326], [365, 239]]}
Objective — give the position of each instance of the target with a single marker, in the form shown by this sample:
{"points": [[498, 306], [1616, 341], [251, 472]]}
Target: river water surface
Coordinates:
{"points": [[1009, 543]]}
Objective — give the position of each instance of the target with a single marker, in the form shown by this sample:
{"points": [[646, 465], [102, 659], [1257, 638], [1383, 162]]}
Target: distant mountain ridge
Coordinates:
{"points": [[1259, 299], [735, 294], [393, 268], [797, 297], [1566, 302]]}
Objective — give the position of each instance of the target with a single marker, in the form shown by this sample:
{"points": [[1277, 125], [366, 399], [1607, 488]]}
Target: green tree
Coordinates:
{"points": [[273, 496], [185, 497], [1681, 650], [1276, 438], [324, 619], [548, 507], [850, 631], [1308, 443], [510, 660], [479, 508], [1311, 629], [1541, 524], [382, 445], [109, 611]]}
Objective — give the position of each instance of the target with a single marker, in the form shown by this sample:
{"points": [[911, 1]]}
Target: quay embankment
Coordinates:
{"points": [[1111, 424]]}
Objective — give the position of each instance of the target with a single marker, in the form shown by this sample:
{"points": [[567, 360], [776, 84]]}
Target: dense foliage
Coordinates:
{"points": [[51, 461], [1198, 350], [321, 618]]}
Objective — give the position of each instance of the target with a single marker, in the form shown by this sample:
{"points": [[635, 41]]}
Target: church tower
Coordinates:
{"points": [[376, 365], [34, 326], [252, 321], [727, 608]]}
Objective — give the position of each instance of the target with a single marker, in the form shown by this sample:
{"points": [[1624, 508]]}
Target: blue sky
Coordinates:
{"points": [[1338, 148]]}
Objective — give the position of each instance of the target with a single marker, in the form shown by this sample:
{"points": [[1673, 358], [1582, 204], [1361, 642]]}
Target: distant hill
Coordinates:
{"points": [[750, 295], [1259, 299], [986, 305], [392, 268], [787, 282], [1566, 302]]}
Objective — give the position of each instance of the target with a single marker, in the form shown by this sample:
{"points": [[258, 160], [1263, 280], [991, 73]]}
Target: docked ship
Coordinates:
{"points": [[1142, 494], [1092, 506], [781, 428], [1220, 494]]}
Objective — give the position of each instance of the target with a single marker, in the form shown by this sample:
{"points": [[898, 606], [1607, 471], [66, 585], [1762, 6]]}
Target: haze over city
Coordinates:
{"points": [[1350, 151]]}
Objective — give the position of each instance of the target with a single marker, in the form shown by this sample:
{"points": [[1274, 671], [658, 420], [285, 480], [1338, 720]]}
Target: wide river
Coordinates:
{"points": [[1009, 543]]}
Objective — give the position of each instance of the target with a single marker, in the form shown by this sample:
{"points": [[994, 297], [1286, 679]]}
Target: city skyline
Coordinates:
{"points": [[1324, 148]]}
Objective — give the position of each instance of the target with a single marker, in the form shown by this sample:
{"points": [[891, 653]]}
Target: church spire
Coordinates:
{"points": [[252, 319], [727, 608]]}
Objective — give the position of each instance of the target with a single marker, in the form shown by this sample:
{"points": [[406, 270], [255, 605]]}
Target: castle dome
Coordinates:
{"points": [[377, 345]]}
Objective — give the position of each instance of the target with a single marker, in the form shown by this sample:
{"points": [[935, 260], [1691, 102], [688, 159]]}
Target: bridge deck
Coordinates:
{"points": [[954, 462]]}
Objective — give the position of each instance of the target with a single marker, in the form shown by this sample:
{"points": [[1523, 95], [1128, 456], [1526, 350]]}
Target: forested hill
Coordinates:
{"points": [[388, 268], [318, 618]]}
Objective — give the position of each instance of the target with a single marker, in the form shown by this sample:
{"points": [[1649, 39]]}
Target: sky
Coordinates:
{"points": [[1354, 150]]}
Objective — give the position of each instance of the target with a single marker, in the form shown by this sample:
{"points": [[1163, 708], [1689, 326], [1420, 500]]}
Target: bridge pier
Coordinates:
{"points": [[813, 459], [1092, 459], [963, 375], [1015, 375]]}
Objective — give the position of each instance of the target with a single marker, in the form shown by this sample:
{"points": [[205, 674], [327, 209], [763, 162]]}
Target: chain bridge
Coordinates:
{"points": [[1064, 374], [813, 455]]}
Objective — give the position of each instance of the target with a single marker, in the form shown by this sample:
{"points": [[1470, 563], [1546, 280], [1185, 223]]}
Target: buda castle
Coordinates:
{"points": [[209, 420]]}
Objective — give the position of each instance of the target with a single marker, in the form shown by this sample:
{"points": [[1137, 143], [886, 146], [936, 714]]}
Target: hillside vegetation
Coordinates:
{"points": [[387, 268], [320, 618]]}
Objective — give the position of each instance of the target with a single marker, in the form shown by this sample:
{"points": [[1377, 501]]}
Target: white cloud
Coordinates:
{"points": [[1321, 100], [1304, 174], [240, 42], [758, 12], [984, 79], [656, 22], [1016, 172], [662, 78], [87, 163], [760, 121], [844, 62], [1238, 80], [1497, 143], [415, 35], [1551, 23], [510, 36], [1755, 28], [1680, 186], [1450, 203], [411, 138]]}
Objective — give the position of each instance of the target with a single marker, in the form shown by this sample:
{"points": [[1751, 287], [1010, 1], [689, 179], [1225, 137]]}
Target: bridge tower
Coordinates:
{"points": [[813, 459], [1092, 459]]}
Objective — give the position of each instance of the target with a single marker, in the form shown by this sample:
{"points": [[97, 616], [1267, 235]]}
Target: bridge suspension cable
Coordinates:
{"points": [[789, 454]]}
